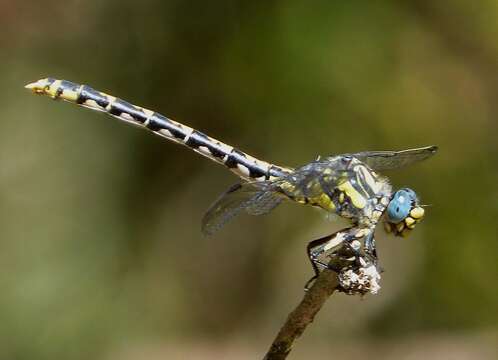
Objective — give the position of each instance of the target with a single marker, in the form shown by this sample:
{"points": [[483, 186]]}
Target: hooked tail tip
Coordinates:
{"points": [[40, 86], [31, 86]]}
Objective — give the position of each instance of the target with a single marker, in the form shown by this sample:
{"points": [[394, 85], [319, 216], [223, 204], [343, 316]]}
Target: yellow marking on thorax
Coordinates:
{"points": [[323, 201], [300, 199], [357, 200]]}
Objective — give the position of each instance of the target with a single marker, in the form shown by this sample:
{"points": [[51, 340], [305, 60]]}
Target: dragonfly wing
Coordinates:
{"points": [[252, 198], [387, 160], [263, 203], [315, 179]]}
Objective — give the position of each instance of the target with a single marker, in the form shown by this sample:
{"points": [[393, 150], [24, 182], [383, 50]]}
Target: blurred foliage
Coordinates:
{"points": [[99, 222]]}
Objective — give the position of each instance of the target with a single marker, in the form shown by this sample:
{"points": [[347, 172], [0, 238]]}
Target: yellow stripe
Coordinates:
{"points": [[69, 95], [323, 201], [357, 200]]}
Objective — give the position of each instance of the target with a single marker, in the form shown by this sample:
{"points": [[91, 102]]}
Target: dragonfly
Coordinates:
{"points": [[349, 185]]}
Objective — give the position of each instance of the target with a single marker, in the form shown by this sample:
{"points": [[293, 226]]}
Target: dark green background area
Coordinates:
{"points": [[100, 244]]}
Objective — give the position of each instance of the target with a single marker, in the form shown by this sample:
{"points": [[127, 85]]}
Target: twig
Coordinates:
{"points": [[303, 315], [357, 274]]}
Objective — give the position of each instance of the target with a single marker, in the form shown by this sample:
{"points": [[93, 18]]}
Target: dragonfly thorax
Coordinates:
{"points": [[341, 184]]}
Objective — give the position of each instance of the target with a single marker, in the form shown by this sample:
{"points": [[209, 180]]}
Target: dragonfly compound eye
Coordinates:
{"points": [[403, 212], [401, 204]]}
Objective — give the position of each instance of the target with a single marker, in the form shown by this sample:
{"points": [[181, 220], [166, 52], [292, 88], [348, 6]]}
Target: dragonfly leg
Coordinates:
{"points": [[337, 247], [370, 247], [314, 249], [341, 250]]}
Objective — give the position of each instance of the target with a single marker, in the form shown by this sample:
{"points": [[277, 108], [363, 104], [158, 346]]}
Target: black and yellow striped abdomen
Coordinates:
{"points": [[242, 164]]}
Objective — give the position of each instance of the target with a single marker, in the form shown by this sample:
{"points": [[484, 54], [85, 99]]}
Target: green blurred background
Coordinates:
{"points": [[101, 251]]}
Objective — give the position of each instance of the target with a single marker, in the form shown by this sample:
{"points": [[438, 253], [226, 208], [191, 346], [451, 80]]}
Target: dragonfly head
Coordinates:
{"points": [[403, 212]]}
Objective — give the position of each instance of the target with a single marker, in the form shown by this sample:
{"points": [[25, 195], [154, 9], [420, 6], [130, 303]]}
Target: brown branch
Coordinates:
{"points": [[303, 315], [358, 275]]}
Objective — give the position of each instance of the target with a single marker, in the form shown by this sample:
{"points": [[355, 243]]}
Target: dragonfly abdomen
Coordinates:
{"points": [[244, 165]]}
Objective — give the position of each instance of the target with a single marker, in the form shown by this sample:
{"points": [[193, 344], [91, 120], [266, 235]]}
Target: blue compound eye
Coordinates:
{"points": [[400, 205]]}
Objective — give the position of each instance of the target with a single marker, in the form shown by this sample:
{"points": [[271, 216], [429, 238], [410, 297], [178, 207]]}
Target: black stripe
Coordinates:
{"points": [[216, 150], [231, 162], [198, 139], [158, 122], [58, 92], [276, 171], [366, 190], [238, 153], [87, 93], [119, 107], [66, 85], [237, 157], [256, 172]]}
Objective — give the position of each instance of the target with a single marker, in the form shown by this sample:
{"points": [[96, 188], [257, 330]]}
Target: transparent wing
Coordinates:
{"points": [[252, 198], [315, 179], [387, 160]]}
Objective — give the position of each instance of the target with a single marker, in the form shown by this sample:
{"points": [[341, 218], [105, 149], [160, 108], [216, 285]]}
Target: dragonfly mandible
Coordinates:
{"points": [[348, 185]]}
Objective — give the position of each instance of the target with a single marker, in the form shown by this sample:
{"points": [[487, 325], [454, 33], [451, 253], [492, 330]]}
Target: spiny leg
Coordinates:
{"points": [[314, 250], [370, 247]]}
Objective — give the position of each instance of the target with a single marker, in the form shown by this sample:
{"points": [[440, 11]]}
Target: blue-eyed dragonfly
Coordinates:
{"points": [[348, 185]]}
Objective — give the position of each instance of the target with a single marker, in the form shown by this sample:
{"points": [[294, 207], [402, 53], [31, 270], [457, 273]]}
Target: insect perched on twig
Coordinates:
{"points": [[347, 185]]}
